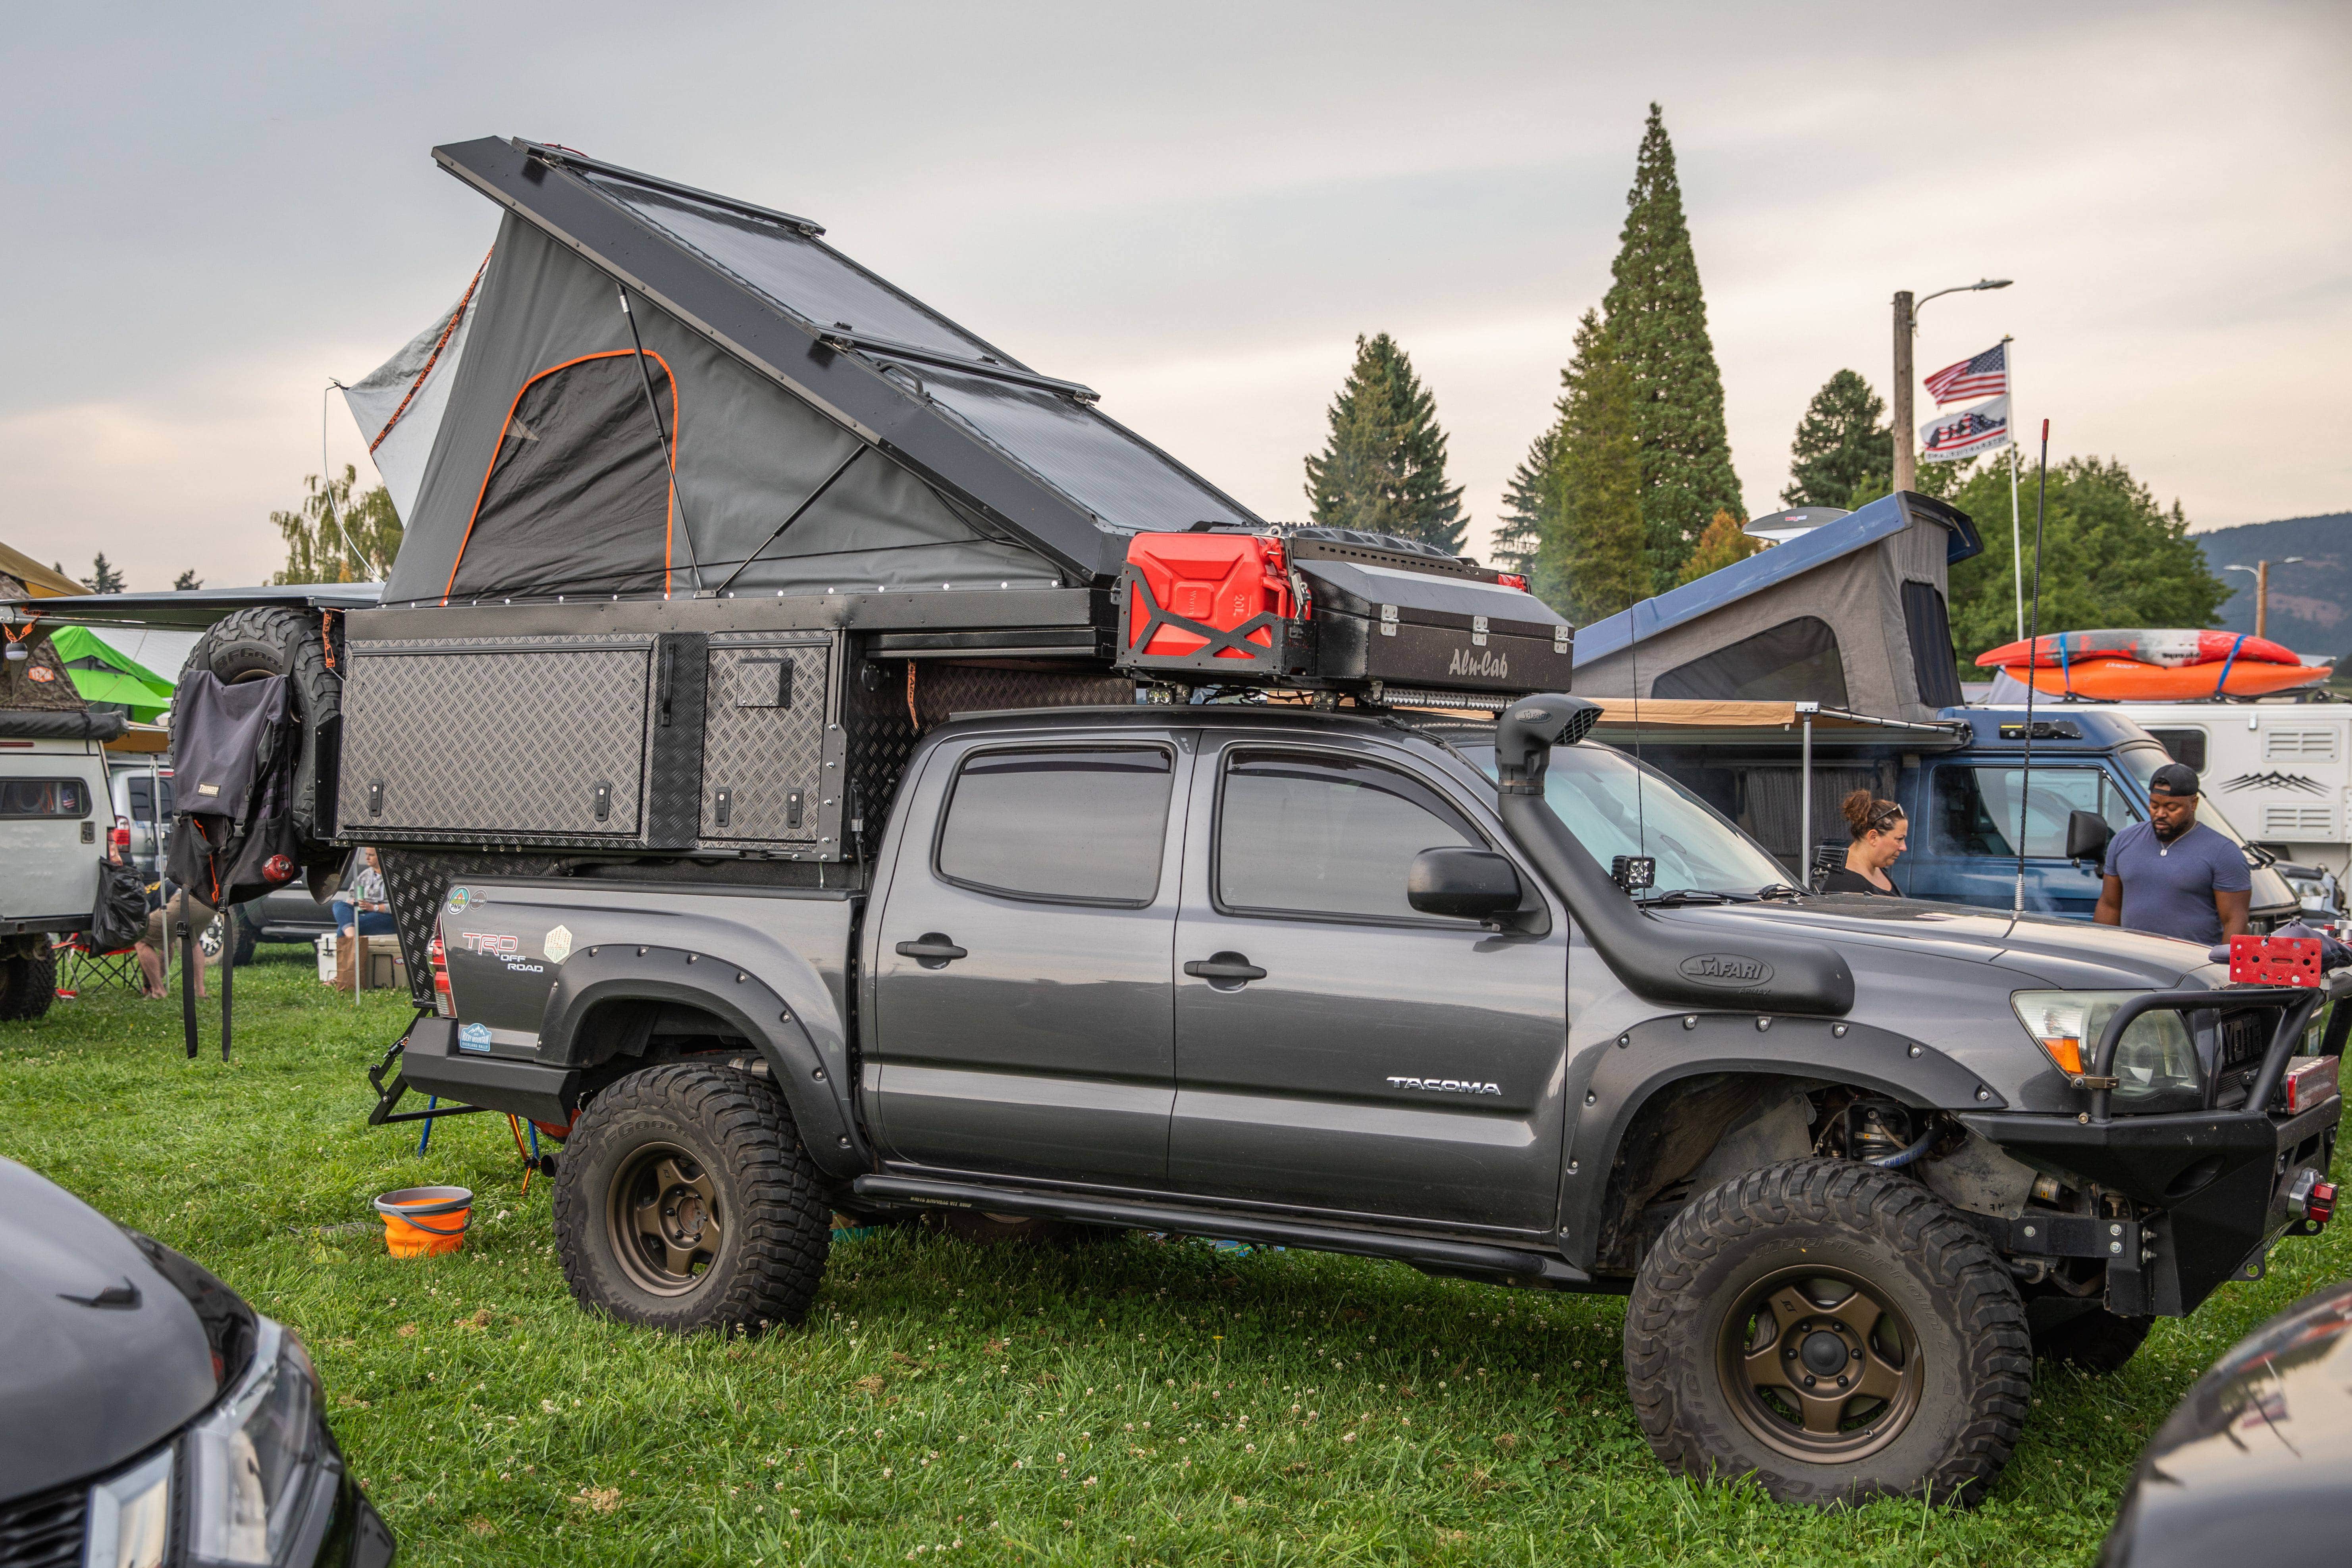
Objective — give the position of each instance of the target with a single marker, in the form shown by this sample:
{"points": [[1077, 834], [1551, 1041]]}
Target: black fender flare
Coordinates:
{"points": [[1622, 1074], [789, 1017]]}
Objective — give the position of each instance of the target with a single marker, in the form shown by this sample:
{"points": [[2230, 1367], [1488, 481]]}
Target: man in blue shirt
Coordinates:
{"points": [[2171, 876]]}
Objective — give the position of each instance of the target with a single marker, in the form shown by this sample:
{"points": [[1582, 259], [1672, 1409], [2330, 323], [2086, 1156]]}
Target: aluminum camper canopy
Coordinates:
{"points": [[1852, 614], [767, 418]]}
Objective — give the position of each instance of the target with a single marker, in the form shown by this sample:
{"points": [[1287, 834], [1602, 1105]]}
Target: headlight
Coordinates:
{"points": [[250, 1461], [2156, 1061], [131, 1517]]}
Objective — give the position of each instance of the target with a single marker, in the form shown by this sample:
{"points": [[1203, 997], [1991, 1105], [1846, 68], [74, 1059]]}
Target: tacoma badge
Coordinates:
{"points": [[1447, 1085]]}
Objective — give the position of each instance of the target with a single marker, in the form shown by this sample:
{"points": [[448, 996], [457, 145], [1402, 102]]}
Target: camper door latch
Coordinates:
{"points": [[376, 797], [722, 806], [603, 801], [791, 808], [1559, 637], [1388, 620], [1478, 631]]}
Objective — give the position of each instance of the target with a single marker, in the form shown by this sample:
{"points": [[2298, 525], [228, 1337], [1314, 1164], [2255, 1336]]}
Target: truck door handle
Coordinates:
{"points": [[1224, 966], [932, 949]]}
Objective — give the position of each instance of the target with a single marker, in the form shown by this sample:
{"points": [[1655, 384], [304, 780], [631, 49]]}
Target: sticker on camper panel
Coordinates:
{"points": [[559, 946], [473, 1037], [458, 898]]}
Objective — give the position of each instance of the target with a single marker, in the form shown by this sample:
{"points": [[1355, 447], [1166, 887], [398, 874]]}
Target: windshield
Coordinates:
{"points": [[1593, 790]]}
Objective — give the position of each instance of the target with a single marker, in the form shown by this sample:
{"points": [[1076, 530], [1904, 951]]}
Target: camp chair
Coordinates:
{"points": [[80, 967]]}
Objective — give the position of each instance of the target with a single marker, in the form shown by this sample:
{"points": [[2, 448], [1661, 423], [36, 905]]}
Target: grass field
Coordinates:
{"points": [[1129, 1402]]}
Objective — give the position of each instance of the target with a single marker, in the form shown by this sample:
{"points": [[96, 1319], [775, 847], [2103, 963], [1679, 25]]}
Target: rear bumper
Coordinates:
{"points": [[431, 1064], [2217, 1181]]}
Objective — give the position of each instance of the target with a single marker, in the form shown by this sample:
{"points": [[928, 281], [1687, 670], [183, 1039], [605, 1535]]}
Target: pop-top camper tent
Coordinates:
{"points": [[1851, 614], [829, 432]]}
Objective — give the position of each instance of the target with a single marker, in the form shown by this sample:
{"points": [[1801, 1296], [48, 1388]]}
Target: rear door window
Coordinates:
{"points": [[1326, 835], [33, 798], [1060, 826], [1975, 809]]}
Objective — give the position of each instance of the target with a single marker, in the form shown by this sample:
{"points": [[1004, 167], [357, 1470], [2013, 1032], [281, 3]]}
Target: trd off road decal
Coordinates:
{"points": [[504, 946]]}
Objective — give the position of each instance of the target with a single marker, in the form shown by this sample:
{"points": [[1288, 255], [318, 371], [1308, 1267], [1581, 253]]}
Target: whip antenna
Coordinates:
{"points": [[2033, 638]]}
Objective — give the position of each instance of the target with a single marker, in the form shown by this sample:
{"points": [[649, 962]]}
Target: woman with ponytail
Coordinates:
{"points": [[1879, 829]]}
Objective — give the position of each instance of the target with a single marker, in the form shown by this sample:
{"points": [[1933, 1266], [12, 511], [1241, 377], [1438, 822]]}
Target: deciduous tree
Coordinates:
{"points": [[2111, 556], [1722, 544], [335, 536]]}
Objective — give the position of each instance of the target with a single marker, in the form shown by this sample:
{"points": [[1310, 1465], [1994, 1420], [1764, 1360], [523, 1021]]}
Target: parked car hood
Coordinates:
{"points": [[101, 1356], [2072, 953], [2258, 1457]]}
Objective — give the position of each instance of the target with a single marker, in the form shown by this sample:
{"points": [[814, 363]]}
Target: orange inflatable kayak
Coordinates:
{"points": [[2129, 680]]}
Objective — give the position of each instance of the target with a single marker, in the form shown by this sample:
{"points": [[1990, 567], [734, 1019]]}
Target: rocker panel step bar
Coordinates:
{"points": [[1433, 1256]]}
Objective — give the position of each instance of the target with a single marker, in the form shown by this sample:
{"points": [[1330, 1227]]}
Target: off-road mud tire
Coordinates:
{"points": [[776, 1226], [28, 984], [1928, 1262], [271, 639], [2097, 1341]]}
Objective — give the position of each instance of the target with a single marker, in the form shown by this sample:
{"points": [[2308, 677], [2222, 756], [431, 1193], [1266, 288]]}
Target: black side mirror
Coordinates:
{"points": [[2087, 836], [1462, 883]]}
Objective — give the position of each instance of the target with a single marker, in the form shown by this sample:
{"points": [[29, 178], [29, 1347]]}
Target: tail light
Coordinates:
{"points": [[443, 1003]]}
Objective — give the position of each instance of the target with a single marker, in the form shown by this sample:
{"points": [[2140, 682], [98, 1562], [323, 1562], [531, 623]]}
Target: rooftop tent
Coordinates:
{"points": [[1851, 614], [823, 430], [398, 405]]}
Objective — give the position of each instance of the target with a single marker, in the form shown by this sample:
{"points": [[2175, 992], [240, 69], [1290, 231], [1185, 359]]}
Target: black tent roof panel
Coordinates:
{"points": [[1027, 452]]}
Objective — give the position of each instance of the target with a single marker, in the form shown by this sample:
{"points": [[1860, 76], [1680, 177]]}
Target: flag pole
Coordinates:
{"points": [[2016, 458]]}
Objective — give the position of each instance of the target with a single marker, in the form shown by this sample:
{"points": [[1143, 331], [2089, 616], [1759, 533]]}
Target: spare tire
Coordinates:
{"points": [[273, 639]]}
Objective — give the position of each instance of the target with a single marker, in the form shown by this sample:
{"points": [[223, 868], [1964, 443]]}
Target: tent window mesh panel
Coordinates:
{"points": [[577, 497], [1796, 661], [1929, 628]]}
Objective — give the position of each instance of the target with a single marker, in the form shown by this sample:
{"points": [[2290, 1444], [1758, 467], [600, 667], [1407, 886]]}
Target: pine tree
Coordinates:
{"points": [[1657, 317], [1519, 540], [1592, 562], [1842, 443], [1383, 469], [103, 578], [187, 579], [1722, 544]]}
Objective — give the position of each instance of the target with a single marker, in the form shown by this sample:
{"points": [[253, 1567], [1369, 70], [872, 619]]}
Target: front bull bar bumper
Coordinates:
{"points": [[2218, 1180]]}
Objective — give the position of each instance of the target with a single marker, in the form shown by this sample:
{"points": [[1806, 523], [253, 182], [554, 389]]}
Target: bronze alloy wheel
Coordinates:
{"points": [[663, 1219], [1820, 1366]]}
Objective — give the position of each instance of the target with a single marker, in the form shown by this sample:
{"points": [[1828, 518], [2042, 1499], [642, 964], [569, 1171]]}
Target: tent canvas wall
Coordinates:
{"points": [[1851, 614], [781, 421]]}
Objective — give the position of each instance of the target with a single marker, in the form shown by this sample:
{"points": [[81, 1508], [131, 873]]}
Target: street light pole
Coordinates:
{"points": [[1906, 326], [1906, 470], [2261, 571]]}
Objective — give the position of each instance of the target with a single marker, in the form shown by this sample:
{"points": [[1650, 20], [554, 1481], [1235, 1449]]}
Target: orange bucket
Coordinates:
{"points": [[421, 1221]]}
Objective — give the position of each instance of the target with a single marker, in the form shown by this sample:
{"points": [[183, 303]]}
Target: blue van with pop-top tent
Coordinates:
{"points": [[1776, 686]]}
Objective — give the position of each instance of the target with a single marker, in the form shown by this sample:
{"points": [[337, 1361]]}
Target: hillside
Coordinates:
{"points": [[2311, 603]]}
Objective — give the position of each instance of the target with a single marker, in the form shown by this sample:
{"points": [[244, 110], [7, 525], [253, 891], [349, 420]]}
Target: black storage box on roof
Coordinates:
{"points": [[1333, 608]]}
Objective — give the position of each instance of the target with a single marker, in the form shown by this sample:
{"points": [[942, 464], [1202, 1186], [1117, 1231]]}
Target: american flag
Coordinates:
{"points": [[1986, 375]]}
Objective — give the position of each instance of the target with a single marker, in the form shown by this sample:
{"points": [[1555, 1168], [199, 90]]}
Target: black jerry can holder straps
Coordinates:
{"points": [[1289, 647]]}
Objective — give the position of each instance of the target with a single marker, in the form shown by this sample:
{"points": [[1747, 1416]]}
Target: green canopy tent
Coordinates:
{"points": [[102, 674]]}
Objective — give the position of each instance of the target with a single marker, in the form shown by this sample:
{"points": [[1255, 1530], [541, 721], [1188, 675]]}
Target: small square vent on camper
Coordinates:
{"points": [[1332, 608]]}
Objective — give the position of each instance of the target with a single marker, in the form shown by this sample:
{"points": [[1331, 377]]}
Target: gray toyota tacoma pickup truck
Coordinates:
{"points": [[1487, 999]]}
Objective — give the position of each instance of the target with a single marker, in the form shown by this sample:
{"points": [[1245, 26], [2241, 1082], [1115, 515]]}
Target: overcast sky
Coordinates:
{"points": [[1195, 209]]}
